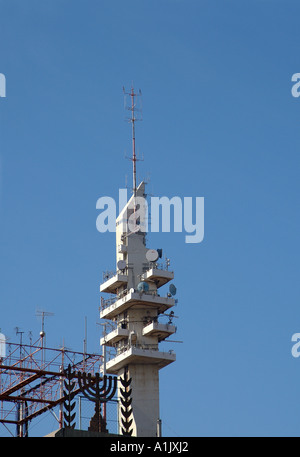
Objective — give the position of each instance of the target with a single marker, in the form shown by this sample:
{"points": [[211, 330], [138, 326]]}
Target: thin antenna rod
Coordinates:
{"points": [[133, 119], [43, 313], [85, 336], [133, 141]]}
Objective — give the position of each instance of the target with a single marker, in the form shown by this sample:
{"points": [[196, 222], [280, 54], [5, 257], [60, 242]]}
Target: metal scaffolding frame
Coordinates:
{"points": [[31, 381]]}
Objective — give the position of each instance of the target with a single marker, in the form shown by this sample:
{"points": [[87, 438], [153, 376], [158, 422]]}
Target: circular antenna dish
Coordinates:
{"points": [[172, 289], [143, 286], [121, 265], [152, 255]]}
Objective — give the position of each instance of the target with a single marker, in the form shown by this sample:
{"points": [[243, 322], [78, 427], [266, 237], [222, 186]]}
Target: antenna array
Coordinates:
{"points": [[133, 118]]}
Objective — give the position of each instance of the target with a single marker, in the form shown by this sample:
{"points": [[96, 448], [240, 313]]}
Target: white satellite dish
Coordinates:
{"points": [[151, 255], [121, 265]]}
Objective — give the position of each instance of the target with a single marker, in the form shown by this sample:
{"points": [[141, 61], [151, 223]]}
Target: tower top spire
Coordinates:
{"points": [[133, 118]]}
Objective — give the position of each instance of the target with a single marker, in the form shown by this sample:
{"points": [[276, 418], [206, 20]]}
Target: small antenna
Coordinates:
{"points": [[132, 107], [85, 336], [43, 314], [19, 332]]}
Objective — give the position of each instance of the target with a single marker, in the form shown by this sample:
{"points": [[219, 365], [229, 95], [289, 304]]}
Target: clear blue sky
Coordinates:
{"points": [[219, 121]]}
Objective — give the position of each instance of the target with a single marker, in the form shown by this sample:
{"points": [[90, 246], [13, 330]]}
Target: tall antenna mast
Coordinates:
{"points": [[43, 314], [132, 94], [132, 107]]}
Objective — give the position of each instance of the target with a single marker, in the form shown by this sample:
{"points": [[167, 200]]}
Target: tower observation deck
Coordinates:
{"points": [[136, 309]]}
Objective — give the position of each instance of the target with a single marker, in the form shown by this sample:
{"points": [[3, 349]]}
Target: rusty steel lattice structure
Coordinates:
{"points": [[31, 381]]}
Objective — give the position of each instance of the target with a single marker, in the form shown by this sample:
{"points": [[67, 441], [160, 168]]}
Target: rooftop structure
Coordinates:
{"points": [[32, 381]]}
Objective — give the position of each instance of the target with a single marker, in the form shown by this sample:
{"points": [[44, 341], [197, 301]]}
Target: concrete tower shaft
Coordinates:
{"points": [[135, 311]]}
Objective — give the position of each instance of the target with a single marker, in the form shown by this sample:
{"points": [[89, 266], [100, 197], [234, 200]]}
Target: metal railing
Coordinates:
{"points": [[106, 275]]}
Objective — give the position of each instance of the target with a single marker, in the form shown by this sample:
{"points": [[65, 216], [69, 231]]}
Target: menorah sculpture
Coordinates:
{"points": [[97, 390]]}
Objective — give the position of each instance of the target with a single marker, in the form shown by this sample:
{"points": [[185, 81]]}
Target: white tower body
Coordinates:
{"points": [[134, 311]]}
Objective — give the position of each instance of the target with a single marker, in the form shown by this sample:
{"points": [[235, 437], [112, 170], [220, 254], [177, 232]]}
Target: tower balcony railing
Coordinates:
{"points": [[137, 354], [113, 337], [146, 347], [160, 330], [113, 280], [157, 274], [105, 302], [106, 275], [112, 307]]}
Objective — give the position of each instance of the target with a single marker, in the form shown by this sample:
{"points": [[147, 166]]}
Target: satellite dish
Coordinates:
{"points": [[121, 265], [151, 255], [159, 251], [143, 286], [172, 289]]}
